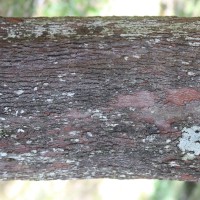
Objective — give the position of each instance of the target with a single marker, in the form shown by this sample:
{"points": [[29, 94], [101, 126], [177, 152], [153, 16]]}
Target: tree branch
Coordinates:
{"points": [[114, 97]]}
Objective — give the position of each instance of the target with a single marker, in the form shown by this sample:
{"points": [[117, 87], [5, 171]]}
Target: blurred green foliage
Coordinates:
{"points": [[175, 190], [187, 8], [72, 7], [28, 8], [166, 190], [17, 8]]}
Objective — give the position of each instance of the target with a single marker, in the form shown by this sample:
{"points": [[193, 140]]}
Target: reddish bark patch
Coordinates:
{"points": [[187, 177], [75, 114], [140, 99], [182, 96], [20, 149], [59, 165], [164, 124], [14, 20]]}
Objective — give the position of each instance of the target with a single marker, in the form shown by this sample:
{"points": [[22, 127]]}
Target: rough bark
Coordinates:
{"points": [[114, 97]]}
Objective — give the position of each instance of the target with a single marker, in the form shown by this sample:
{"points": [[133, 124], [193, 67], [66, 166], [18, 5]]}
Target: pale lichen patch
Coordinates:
{"points": [[150, 138], [35, 88], [185, 63], [188, 156], [70, 94], [190, 141], [194, 44], [126, 58], [19, 92], [168, 141], [45, 84], [173, 164], [136, 56], [20, 130], [89, 134], [73, 132], [191, 73], [3, 154], [49, 100]]}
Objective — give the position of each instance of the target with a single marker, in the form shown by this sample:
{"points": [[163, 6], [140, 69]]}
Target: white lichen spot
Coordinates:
{"points": [[191, 73], [2, 118], [16, 113], [13, 136], [185, 63], [49, 100], [22, 111], [61, 75], [136, 56], [192, 38], [112, 125], [35, 88], [157, 40], [194, 44], [69, 161], [52, 174], [45, 84], [85, 45], [61, 80], [70, 94], [3, 154], [173, 164], [132, 109], [167, 147], [20, 130], [19, 92], [150, 138], [37, 128], [190, 140], [89, 134], [168, 141], [58, 150], [55, 63], [34, 151], [160, 151], [1, 94], [188, 156], [98, 114], [28, 142], [101, 46], [126, 58], [73, 132], [76, 140]]}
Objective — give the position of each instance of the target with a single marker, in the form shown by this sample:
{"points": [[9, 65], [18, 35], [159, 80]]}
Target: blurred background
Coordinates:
{"points": [[102, 189]]}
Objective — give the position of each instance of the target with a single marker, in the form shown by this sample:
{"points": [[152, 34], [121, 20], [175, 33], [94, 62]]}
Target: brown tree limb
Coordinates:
{"points": [[114, 97]]}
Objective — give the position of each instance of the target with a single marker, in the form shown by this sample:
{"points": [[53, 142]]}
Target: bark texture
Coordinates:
{"points": [[112, 97]]}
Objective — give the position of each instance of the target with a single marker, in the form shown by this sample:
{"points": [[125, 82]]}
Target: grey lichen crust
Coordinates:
{"points": [[190, 141]]}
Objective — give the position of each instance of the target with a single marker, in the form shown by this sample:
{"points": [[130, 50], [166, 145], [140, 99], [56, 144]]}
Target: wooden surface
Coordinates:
{"points": [[112, 97]]}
